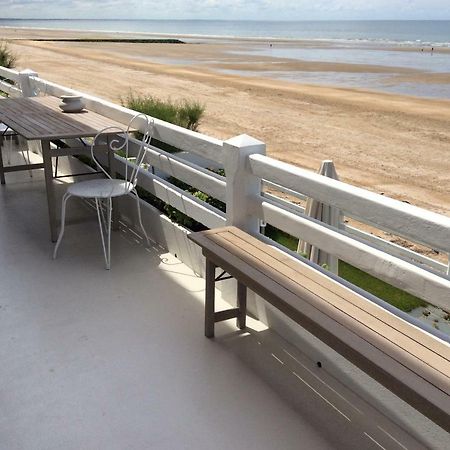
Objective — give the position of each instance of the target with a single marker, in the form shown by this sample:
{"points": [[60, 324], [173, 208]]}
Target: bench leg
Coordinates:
{"points": [[210, 298], [242, 305], [2, 173]]}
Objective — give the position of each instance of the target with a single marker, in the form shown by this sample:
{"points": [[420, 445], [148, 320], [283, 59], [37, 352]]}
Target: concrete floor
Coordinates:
{"points": [[96, 359]]}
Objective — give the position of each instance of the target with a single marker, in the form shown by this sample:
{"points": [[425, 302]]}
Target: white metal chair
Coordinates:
{"points": [[104, 190]]}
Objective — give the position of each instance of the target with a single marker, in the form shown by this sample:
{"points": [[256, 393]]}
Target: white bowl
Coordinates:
{"points": [[70, 98], [76, 105]]}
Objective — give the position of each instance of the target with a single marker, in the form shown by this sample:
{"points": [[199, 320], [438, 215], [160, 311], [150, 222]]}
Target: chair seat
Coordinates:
{"points": [[103, 188]]}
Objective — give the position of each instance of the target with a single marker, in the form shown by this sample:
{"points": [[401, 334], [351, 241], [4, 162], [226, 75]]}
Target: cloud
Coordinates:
{"points": [[227, 9]]}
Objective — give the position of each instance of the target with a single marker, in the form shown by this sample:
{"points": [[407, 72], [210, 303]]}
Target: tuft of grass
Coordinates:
{"points": [[185, 113], [283, 238], [396, 297], [7, 58]]}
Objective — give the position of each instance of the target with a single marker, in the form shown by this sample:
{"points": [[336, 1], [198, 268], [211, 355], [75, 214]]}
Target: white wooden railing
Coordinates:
{"points": [[247, 168], [7, 84], [381, 244], [416, 224]]}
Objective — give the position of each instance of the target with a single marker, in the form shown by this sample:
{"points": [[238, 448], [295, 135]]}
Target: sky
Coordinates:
{"points": [[227, 9]]}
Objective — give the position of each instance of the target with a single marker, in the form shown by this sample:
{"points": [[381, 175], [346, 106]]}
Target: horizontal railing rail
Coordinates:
{"points": [[9, 74], [181, 138], [399, 251], [185, 202], [10, 89], [192, 174], [404, 253], [8, 77], [417, 224]]}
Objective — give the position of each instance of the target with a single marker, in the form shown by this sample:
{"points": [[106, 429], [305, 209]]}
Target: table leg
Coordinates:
{"points": [[2, 173], [48, 171]]}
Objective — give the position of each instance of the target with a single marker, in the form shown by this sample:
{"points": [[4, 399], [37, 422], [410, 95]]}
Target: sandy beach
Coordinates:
{"points": [[391, 144]]}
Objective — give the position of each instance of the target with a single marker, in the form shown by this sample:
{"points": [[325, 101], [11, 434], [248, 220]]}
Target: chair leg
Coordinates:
{"points": [[9, 151], [138, 203], [105, 228], [63, 223], [108, 231]]}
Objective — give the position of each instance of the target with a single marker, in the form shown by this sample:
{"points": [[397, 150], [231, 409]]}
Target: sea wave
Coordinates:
{"points": [[247, 37]]}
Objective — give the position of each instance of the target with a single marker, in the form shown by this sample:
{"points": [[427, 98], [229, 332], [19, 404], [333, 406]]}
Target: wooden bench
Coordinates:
{"points": [[410, 362]]}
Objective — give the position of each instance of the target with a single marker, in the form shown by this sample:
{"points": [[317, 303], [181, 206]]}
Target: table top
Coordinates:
{"points": [[40, 118]]}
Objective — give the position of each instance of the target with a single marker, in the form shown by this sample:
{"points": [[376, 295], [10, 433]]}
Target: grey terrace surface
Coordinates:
{"points": [[96, 359]]}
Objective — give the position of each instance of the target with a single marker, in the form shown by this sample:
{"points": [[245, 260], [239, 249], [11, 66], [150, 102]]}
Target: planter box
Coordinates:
{"points": [[164, 232]]}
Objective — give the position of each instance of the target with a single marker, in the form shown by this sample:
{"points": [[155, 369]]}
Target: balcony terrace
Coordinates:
{"points": [[117, 359]]}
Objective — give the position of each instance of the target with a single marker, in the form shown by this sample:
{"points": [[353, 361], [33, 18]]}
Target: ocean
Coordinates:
{"points": [[396, 46], [431, 32]]}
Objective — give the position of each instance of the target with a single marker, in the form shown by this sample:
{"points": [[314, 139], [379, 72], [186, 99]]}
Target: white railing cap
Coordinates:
{"points": [[243, 140]]}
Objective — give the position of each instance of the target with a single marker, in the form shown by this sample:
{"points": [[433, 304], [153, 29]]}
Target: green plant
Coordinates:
{"points": [[181, 218], [396, 297], [7, 58], [185, 113]]}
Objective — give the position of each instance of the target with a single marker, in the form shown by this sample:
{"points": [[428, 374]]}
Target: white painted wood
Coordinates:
{"points": [[414, 223], [242, 187], [396, 250], [269, 184], [283, 203], [199, 177], [370, 239], [9, 74], [10, 89], [424, 284], [179, 137], [27, 88], [179, 199]]}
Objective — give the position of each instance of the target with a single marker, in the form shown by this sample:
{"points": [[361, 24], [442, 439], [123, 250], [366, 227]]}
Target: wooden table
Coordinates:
{"points": [[40, 119]]}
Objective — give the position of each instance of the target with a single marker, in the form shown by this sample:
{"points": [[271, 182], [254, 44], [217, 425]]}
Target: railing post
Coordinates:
{"points": [[242, 185], [27, 89], [25, 83]]}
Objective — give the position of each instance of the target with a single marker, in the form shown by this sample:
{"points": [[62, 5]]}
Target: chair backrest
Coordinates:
{"points": [[120, 144]]}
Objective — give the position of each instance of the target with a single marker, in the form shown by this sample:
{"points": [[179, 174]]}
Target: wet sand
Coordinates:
{"points": [[391, 144]]}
